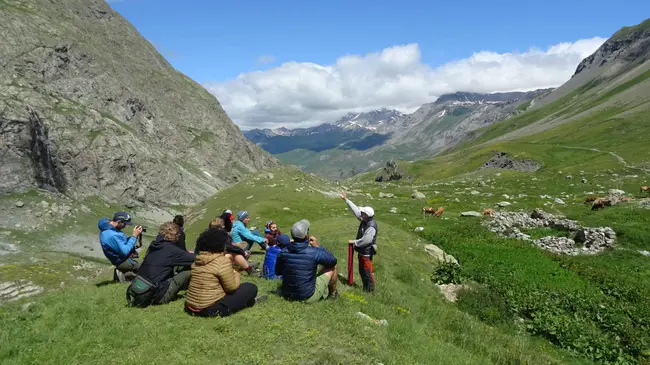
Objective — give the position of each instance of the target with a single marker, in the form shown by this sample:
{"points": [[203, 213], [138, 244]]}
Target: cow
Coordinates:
{"points": [[601, 203], [591, 199], [488, 211], [645, 189], [433, 212]]}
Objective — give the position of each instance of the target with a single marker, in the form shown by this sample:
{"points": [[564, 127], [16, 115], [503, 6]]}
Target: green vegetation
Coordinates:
{"points": [[625, 31]]}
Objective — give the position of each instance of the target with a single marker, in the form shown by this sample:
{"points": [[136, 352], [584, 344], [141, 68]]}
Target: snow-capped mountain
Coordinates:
{"points": [[378, 120]]}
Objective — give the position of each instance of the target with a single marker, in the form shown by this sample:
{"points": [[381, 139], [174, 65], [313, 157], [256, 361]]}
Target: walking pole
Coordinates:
{"points": [[350, 265]]}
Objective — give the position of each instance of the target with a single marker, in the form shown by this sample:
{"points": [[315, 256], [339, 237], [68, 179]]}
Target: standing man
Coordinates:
{"points": [[366, 242], [117, 248]]}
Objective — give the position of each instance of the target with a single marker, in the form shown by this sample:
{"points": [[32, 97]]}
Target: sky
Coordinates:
{"points": [[300, 63]]}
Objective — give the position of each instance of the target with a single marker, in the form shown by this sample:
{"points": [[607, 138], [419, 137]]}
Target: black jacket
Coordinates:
{"points": [[369, 248], [297, 264], [161, 259]]}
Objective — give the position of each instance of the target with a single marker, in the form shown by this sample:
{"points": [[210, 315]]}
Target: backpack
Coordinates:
{"points": [[140, 292]]}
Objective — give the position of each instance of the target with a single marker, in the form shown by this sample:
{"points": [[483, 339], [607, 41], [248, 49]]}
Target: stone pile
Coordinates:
{"points": [[581, 240]]}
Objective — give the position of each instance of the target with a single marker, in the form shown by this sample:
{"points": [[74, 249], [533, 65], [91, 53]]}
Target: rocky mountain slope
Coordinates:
{"points": [[89, 107], [353, 131], [430, 129]]}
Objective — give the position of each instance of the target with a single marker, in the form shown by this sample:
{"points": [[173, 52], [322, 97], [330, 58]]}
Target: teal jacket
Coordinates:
{"points": [[242, 234]]}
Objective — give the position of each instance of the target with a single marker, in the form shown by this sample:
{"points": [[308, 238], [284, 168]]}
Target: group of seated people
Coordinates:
{"points": [[210, 273]]}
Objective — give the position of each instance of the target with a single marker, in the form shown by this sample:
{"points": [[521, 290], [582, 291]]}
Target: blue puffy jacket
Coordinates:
{"points": [[115, 245], [297, 263], [242, 234]]}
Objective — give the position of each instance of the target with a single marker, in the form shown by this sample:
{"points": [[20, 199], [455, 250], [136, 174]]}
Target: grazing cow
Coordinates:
{"points": [[644, 189], [488, 211], [590, 199], [601, 203], [626, 199], [434, 212]]}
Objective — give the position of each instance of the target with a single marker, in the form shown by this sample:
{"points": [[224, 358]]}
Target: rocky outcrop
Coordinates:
{"points": [[502, 160], [89, 107], [392, 171], [581, 240]]}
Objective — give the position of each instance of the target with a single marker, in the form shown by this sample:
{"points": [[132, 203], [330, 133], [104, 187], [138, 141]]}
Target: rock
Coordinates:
{"points": [[644, 252], [506, 196], [583, 180], [616, 192], [368, 196], [456, 200], [504, 204], [569, 177], [386, 195], [450, 291], [393, 210], [392, 171], [474, 192], [558, 201], [249, 197], [440, 255], [502, 160], [26, 307], [418, 195], [419, 229], [17, 289], [19, 204], [470, 214], [286, 209]]}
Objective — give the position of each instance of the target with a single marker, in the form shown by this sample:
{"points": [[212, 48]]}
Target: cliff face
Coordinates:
{"points": [[89, 107]]}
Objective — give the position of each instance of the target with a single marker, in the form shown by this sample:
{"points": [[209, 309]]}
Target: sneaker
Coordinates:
{"points": [[261, 298], [119, 276], [253, 267]]}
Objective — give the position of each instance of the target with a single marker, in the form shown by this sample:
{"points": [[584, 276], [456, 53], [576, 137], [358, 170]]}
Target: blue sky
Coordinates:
{"points": [[215, 41]]}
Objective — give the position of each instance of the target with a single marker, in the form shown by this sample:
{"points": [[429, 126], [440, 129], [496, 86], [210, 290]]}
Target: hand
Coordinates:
{"points": [[313, 241], [344, 196], [266, 240], [137, 230], [351, 242]]}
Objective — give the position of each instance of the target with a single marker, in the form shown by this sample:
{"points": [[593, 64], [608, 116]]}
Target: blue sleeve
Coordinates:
{"points": [[121, 244], [325, 258], [247, 234]]}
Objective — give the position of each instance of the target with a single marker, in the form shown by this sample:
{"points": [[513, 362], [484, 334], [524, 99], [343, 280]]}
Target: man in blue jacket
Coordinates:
{"points": [[240, 233], [297, 264], [117, 248]]}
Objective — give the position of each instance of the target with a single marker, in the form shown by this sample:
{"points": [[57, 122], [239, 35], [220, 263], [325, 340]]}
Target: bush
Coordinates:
{"points": [[447, 273], [487, 305]]}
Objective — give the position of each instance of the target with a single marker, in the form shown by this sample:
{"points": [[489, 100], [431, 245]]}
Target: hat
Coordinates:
{"points": [[227, 211], [283, 240], [300, 229], [122, 217], [368, 210], [242, 214]]}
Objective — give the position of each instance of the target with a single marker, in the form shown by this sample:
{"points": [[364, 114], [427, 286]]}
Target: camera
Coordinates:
{"points": [[144, 229]]}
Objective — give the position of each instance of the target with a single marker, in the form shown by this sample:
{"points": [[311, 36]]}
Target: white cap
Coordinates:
{"points": [[368, 210]]}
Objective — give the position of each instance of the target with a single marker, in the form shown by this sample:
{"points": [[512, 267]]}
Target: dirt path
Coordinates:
{"points": [[613, 154]]}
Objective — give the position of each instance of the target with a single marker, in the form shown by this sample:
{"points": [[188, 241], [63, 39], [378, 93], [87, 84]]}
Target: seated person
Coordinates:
{"points": [[297, 264], [240, 233], [275, 246], [180, 221], [164, 271], [271, 232], [215, 288], [238, 256], [119, 250]]}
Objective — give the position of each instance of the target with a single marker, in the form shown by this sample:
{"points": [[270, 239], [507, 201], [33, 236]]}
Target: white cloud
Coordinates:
{"points": [[302, 94], [264, 59]]}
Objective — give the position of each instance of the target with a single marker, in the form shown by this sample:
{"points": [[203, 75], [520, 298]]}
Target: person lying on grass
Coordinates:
{"points": [[297, 264], [215, 288], [164, 271], [271, 257], [243, 237]]}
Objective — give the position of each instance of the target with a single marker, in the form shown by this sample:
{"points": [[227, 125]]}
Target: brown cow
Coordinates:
{"points": [[591, 198], [434, 212], [488, 211], [601, 203], [644, 189]]}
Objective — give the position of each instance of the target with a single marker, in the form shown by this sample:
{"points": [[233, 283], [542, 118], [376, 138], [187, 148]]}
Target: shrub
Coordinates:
{"points": [[447, 273]]}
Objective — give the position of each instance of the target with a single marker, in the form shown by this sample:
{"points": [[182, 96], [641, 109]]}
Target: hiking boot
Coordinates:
{"points": [[261, 298]]}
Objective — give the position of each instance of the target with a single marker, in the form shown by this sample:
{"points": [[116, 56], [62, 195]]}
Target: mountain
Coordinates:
{"points": [[431, 129], [89, 107], [358, 131]]}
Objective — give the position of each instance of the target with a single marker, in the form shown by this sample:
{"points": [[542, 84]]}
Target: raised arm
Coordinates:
{"points": [[355, 210]]}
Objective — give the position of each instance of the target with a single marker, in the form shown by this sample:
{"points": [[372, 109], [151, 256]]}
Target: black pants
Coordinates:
{"points": [[366, 271], [242, 298]]}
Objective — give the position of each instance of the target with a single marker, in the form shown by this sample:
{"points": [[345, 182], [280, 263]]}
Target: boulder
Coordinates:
{"points": [[440, 255], [615, 192], [392, 171], [418, 195], [504, 204], [19, 204], [470, 214], [450, 291], [558, 201]]}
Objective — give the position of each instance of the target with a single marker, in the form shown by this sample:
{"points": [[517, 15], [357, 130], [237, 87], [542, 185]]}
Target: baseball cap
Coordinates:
{"points": [[300, 229], [368, 210], [242, 214], [283, 240], [123, 217]]}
